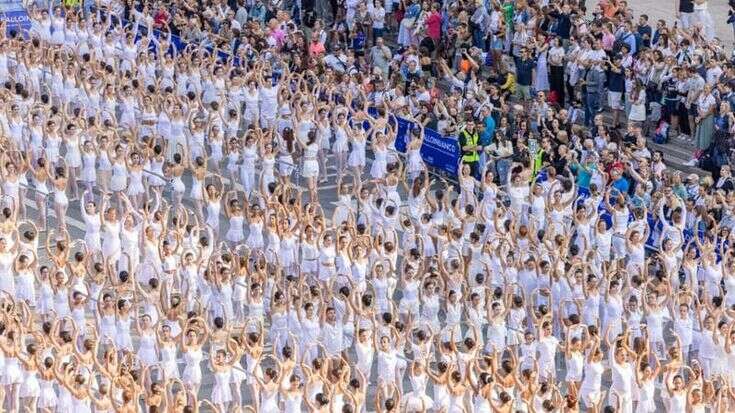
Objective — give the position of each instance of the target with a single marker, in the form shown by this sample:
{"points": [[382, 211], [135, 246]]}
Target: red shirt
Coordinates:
{"points": [[316, 49], [161, 18], [434, 25]]}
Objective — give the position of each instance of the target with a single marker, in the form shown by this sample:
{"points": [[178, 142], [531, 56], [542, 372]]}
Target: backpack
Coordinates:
{"points": [[619, 43]]}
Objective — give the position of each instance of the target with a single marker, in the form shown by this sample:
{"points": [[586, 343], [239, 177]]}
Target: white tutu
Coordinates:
{"points": [[377, 169], [221, 393], [30, 386], [118, 183], [356, 159], [13, 374], [234, 236], [311, 169]]}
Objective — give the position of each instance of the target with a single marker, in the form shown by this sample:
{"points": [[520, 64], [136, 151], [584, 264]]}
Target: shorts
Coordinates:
{"points": [[523, 92], [615, 100]]}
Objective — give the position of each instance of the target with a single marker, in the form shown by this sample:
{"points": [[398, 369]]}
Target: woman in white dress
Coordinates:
{"points": [[119, 179], [234, 212], [249, 158], [135, 188], [147, 346], [58, 24], [40, 174], [310, 170], [111, 227], [104, 165], [222, 368], [12, 378], [269, 388], [92, 223], [89, 165], [645, 376], [251, 115], [340, 148], [73, 156], [380, 153], [356, 160], [59, 179], [195, 335]]}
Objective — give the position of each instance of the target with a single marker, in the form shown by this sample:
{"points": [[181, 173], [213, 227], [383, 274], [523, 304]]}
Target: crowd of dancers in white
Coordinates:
{"points": [[447, 304]]}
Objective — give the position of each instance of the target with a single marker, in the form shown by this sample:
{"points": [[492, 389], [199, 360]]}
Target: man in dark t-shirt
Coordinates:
{"points": [[686, 10]]}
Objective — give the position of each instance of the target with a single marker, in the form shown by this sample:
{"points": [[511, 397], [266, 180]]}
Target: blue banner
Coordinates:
{"points": [[441, 152], [15, 15], [437, 151]]}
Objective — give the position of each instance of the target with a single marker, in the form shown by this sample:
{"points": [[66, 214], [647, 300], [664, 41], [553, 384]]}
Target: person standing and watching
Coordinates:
{"points": [[469, 142], [686, 10], [488, 131]]}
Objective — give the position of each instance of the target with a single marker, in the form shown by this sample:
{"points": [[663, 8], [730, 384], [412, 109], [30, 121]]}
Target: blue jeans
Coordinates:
{"points": [[591, 106], [502, 166]]}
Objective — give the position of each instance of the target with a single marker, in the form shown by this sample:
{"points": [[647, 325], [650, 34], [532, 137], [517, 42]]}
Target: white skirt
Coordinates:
{"points": [[377, 169], [356, 159], [25, 290], [285, 165], [13, 374], [221, 394], [311, 169], [30, 386], [118, 183], [135, 188], [234, 236], [89, 175]]}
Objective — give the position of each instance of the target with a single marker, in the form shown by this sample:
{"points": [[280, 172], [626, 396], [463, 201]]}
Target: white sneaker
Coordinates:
{"points": [[691, 162]]}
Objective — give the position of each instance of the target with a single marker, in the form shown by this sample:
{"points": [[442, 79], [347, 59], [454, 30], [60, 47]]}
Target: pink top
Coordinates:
{"points": [[278, 35], [608, 39], [434, 25], [316, 48]]}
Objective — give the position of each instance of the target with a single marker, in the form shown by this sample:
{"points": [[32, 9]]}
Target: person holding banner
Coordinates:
{"points": [[469, 141]]}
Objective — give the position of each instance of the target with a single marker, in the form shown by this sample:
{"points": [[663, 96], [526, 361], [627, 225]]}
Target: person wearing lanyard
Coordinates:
{"points": [[469, 142]]}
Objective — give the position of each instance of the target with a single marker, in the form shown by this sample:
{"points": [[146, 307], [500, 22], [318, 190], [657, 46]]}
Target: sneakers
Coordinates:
{"points": [[691, 162]]}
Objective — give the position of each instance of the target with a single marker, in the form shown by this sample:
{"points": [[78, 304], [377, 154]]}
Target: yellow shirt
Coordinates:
{"points": [[510, 83]]}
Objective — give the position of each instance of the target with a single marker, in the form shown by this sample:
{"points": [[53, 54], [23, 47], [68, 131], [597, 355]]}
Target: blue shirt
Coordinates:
{"points": [[629, 39], [622, 185], [486, 137], [584, 174], [413, 11]]}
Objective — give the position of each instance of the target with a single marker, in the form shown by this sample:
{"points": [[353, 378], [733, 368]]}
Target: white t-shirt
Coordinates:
{"points": [[378, 17], [595, 57]]}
